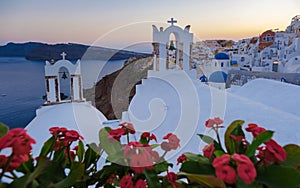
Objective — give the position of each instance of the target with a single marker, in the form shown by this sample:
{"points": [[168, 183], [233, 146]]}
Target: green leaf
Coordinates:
{"points": [[197, 158], [76, 175], [204, 180], [161, 167], [60, 156], [3, 129], [261, 138], [24, 181], [206, 139], [293, 155], [240, 184], [154, 146], [218, 153], [234, 128], [90, 156], [52, 174], [112, 148], [143, 140], [27, 166], [48, 146], [194, 167], [152, 179], [276, 176], [80, 151]]}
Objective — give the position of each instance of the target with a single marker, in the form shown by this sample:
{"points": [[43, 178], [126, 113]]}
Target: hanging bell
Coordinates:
{"points": [[172, 46], [64, 76]]}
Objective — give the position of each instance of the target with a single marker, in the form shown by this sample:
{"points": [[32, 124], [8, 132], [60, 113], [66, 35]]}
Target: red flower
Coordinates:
{"points": [[111, 179], [140, 162], [172, 144], [209, 123], [3, 161], [218, 121], [147, 135], [255, 129], [242, 159], [16, 161], [140, 184], [247, 172], [215, 121], [172, 177], [128, 127], [226, 173], [221, 161], [165, 146], [181, 159], [274, 151], [128, 151], [72, 135], [236, 138], [136, 144], [208, 150], [126, 182], [18, 140], [116, 134], [153, 154]]}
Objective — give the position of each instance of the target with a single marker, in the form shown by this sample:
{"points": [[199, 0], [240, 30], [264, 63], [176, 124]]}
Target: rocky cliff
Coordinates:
{"points": [[112, 94]]}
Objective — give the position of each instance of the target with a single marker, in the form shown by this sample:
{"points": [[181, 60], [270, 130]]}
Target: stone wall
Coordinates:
{"points": [[240, 77]]}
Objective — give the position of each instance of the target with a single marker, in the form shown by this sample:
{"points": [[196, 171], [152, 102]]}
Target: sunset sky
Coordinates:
{"points": [[119, 22]]}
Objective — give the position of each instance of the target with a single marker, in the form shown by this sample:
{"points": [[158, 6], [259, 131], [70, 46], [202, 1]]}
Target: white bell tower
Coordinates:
{"points": [[161, 46], [53, 85]]}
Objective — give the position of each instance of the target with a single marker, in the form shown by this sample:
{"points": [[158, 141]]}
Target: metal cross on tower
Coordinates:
{"points": [[172, 21], [63, 55]]}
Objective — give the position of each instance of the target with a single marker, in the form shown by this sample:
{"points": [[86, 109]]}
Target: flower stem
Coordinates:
{"points": [[218, 136], [127, 135], [164, 155], [6, 165]]}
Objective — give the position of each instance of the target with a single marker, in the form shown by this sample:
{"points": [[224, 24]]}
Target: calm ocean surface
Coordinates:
{"points": [[22, 86]]}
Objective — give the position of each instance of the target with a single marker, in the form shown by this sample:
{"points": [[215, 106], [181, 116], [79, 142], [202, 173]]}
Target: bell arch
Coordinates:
{"points": [[161, 46], [52, 74]]}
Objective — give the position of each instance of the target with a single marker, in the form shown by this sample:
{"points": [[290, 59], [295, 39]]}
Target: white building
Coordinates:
{"points": [[73, 114]]}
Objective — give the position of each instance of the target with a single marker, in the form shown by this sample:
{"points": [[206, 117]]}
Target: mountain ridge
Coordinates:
{"points": [[44, 51]]}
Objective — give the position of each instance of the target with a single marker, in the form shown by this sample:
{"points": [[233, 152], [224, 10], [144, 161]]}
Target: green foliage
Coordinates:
{"points": [[260, 139], [197, 158], [199, 172], [152, 179], [48, 146], [80, 150], [293, 156], [194, 167], [112, 148], [235, 128], [208, 140], [3, 129], [59, 166], [204, 180], [277, 176]]}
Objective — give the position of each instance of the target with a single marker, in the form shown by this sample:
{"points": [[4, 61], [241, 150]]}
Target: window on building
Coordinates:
{"points": [[242, 59], [222, 64]]}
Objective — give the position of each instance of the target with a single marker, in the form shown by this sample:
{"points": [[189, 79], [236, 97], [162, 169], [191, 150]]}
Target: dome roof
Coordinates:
{"points": [[81, 116], [203, 78], [221, 56], [218, 77]]}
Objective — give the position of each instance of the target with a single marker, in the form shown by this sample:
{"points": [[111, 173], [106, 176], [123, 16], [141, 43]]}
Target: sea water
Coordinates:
{"points": [[22, 86]]}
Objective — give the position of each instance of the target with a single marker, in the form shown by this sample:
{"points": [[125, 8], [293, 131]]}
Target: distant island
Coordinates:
{"points": [[43, 51]]}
